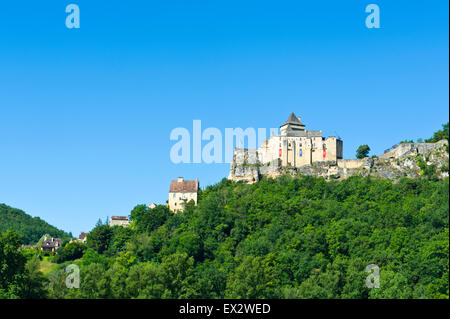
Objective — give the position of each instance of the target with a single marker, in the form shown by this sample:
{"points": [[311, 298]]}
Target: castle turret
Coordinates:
{"points": [[292, 125]]}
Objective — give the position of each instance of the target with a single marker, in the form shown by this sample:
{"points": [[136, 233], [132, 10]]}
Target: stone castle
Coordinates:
{"points": [[297, 147], [298, 151]]}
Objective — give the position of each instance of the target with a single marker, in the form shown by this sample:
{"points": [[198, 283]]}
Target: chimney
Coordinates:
{"points": [[180, 179]]}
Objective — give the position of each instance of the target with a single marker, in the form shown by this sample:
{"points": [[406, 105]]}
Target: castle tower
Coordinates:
{"points": [[292, 125]]}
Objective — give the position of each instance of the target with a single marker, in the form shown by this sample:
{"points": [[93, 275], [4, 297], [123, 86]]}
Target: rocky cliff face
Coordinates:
{"points": [[405, 160]]}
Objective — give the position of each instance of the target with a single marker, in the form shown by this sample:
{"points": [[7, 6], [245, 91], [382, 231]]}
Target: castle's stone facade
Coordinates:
{"points": [[295, 147]]}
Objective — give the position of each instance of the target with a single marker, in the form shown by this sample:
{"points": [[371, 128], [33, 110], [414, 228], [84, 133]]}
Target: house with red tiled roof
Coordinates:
{"points": [[181, 192]]}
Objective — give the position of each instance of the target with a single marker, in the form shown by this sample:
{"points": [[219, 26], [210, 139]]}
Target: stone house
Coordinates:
{"points": [[181, 192], [51, 244], [82, 238], [119, 221]]}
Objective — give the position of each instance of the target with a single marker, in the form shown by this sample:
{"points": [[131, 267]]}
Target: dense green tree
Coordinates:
{"points": [[29, 253], [12, 264], [117, 276], [34, 281], [119, 238], [210, 280], [93, 257], [439, 135], [19, 278], [93, 282], [362, 151], [145, 280], [70, 251], [148, 220], [177, 271], [57, 284], [99, 238], [189, 243], [253, 278]]}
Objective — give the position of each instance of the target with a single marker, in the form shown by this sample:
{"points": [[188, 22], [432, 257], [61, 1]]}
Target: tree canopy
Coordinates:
{"points": [[290, 237], [31, 228], [362, 151]]}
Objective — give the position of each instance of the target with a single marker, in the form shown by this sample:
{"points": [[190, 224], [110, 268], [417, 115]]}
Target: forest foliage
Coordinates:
{"points": [[290, 237], [30, 228]]}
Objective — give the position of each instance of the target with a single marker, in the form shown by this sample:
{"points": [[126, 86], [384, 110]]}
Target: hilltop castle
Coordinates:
{"points": [[297, 147], [298, 151]]}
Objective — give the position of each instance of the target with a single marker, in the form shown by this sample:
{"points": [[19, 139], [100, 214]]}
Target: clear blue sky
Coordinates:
{"points": [[86, 114]]}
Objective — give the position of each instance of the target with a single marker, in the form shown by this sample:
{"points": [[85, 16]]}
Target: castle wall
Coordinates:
{"points": [[298, 151], [316, 149], [114, 222], [333, 148], [303, 147], [350, 163], [406, 148], [396, 152], [330, 148]]}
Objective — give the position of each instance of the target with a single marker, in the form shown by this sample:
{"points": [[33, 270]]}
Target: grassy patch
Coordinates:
{"points": [[46, 266]]}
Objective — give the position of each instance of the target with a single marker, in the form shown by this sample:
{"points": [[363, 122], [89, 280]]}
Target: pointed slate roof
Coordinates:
{"points": [[293, 126], [292, 119]]}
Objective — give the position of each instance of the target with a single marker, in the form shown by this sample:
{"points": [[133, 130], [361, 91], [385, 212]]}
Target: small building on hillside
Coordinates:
{"points": [[181, 192], [119, 221], [51, 244], [83, 237], [152, 205]]}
